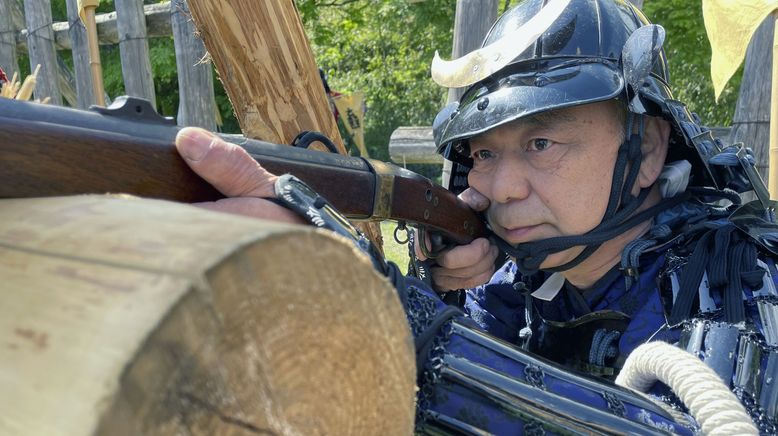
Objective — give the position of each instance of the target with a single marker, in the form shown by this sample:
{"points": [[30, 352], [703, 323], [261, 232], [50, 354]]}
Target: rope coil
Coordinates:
{"points": [[709, 400]]}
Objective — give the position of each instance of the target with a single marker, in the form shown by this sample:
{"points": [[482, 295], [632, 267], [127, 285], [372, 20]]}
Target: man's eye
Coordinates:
{"points": [[539, 144], [481, 154]]}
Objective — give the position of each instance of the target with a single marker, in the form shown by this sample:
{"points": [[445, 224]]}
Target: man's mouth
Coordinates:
{"points": [[517, 235]]}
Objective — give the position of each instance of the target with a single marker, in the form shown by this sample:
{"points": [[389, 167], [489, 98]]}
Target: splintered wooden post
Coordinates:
{"points": [[267, 66], [751, 122]]}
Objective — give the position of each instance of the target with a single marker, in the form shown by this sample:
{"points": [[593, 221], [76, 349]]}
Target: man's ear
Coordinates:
{"points": [[656, 137]]}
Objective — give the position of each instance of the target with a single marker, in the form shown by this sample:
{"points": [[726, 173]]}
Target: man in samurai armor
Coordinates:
{"points": [[616, 220]]}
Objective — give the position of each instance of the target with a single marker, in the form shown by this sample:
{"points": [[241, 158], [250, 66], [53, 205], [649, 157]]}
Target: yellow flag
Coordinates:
{"points": [[82, 4], [351, 113], [730, 25]]}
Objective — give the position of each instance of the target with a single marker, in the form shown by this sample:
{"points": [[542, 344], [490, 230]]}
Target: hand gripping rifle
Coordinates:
{"points": [[129, 148]]}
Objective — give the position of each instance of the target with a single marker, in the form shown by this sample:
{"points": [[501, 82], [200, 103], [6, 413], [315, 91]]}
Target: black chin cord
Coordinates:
{"points": [[530, 255]]}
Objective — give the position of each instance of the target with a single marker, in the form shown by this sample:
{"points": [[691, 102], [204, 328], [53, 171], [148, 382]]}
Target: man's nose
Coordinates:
{"points": [[510, 181]]}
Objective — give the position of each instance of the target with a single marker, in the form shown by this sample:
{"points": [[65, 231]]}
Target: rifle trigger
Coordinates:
{"points": [[438, 243]]}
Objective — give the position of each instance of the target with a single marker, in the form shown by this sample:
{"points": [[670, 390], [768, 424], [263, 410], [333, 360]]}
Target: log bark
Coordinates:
{"points": [[128, 316], [267, 67]]}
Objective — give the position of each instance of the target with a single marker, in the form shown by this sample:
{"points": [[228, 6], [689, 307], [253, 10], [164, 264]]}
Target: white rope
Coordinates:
{"points": [[709, 400]]}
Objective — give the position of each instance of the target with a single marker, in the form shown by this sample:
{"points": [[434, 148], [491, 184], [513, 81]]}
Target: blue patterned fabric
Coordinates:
{"points": [[448, 403]]}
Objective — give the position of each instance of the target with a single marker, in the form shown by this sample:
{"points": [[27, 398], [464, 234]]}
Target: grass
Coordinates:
{"points": [[394, 252]]}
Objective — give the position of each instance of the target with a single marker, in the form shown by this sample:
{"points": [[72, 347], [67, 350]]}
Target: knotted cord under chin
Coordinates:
{"points": [[530, 255]]}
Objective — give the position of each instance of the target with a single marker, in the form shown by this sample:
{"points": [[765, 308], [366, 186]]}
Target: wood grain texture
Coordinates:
{"points": [[80, 50], [37, 14], [196, 103], [134, 50], [267, 67], [123, 316]]}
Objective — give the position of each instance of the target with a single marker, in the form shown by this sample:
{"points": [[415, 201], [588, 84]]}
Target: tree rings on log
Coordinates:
{"points": [[131, 316]]}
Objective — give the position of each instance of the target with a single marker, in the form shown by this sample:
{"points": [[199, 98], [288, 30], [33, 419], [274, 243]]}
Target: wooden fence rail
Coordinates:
{"points": [[30, 29]]}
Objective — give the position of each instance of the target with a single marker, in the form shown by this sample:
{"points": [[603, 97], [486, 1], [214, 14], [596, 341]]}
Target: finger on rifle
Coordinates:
{"points": [[253, 207], [474, 199], [228, 167], [465, 266], [463, 256]]}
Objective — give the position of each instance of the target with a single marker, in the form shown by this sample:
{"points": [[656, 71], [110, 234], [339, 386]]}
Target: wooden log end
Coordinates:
{"points": [[148, 317]]}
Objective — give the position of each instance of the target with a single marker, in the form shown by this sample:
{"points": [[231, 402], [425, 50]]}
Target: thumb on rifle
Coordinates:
{"points": [[228, 167], [477, 201]]}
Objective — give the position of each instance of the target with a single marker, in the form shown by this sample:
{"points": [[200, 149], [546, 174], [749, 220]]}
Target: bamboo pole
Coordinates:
{"points": [[94, 55]]}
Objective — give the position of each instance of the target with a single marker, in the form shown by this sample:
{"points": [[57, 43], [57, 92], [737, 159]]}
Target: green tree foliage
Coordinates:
{"points": [[384, 49]]}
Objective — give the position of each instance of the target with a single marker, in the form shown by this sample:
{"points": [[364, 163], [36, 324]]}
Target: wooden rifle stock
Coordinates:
{"points": [[128, 148]]}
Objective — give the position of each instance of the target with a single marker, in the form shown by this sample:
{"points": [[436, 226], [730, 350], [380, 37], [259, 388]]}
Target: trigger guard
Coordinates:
{"points": [[438, 246]]}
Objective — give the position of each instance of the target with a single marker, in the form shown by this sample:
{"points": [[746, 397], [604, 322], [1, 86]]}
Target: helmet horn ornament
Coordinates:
{"points": [[480, 64]]}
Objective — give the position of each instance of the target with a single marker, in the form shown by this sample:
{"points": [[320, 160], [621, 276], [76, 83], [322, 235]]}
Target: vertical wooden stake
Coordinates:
{"points": [[94, 56]]}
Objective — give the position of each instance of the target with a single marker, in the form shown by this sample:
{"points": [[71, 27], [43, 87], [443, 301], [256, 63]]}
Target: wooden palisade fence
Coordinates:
{"points": [[31, 29]]}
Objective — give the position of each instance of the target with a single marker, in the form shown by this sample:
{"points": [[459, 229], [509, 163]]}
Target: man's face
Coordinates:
{"points": [[548, 175]]}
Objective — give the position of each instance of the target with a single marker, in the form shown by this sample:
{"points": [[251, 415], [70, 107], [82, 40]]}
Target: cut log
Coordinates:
{"points": [[126, 316]]}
